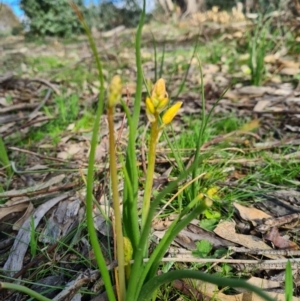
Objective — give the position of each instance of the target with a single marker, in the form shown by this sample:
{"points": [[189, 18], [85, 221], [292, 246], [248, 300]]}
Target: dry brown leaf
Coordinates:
{"points": [[70, 150], [289, 63], [18, 224], [254, 90], [102, 150], [290, 71], [52, 181], [6, 210], [237, 175], [261, 105], [210, 69], [212, 291], [251, 214], [280, 242], [129, 88], [16, 200], [226, 230], [264, 283], [270, 59]]}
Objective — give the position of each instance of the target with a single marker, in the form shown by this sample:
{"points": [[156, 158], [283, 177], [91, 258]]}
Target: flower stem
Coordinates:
{"points": [[116, 205], [150, 170]]}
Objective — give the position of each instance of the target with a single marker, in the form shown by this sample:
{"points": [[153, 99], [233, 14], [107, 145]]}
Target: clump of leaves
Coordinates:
{"points": [[112, 16], [53, 18]]}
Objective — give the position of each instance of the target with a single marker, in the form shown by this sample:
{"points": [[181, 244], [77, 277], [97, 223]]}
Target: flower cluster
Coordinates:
{"points": [[114, 91], [158, 102]]}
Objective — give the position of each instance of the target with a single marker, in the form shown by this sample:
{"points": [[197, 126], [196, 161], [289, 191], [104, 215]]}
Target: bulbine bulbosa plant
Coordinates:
{"points": [[136, 279], [258, 45]]}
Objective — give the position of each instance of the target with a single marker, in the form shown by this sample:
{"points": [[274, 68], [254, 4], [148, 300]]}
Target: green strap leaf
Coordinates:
{"points": [[152, 285]]}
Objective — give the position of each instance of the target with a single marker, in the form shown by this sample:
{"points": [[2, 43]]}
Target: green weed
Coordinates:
{"points": [[45, 63], [64, 112], [258, 44]]}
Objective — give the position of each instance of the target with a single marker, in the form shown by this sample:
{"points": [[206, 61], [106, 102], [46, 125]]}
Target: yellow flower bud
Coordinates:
{"points": [[171, 113], [115, 91], [159, 89], [150, 110], [149, 105], [162, 104], [155, 101], [128, 251]]}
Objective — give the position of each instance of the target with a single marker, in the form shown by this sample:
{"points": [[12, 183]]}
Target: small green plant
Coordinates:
{"points": [[205, 248]]}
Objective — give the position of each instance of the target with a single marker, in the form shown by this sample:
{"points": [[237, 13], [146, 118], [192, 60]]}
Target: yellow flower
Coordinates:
{"points": [[158, 100], [115, 91], [171, 113], [212, 192]]}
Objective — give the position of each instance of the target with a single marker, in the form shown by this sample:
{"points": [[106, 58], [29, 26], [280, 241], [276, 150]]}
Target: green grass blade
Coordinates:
{"points": [[181, 87], [139, 82], [4, 160], [149, 288], [204, 122], [160, 250], [130, 219], [90, 176], [200, 138], [155, 57], [173, 145], [288, 282], [24, 290], [161, 69]]}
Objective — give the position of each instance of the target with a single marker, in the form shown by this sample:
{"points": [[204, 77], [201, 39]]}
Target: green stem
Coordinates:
{"points": [[23, 289], [116, 204], [130, 211], [139, 80], [150, 170]]}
